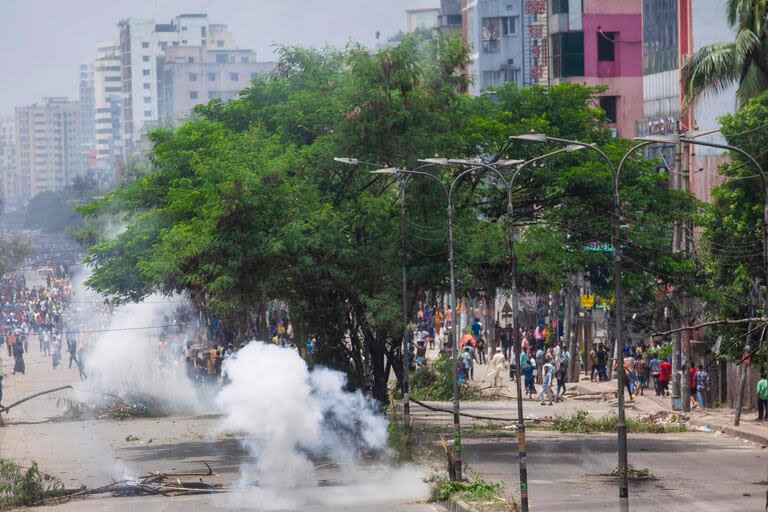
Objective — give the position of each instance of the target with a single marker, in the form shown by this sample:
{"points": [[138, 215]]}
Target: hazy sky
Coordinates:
{"points": [[45, 41]]}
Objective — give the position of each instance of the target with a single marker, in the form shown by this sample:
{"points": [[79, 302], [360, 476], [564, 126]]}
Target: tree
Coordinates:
{"points": [[13, 251], [244, 204], [743, 61], [55, 211]]}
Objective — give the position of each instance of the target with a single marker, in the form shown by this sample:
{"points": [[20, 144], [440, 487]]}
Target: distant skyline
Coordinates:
{"points": [[47, 40]]}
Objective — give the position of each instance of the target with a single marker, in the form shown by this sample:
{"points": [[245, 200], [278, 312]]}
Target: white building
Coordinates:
{"points": [[7, 159], [48, 148], [108, 96], [142, 43], [422, 18]]}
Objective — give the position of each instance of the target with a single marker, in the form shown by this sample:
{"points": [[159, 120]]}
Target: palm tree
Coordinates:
{"points": [[744, 61]]}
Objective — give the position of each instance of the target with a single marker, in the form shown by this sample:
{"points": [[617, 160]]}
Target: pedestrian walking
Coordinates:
{"points": [[529, 372], [468, 358], [702, 385], [539, 365], [498, 363], [655, 370], [546, 384], [641, 366], [762, 398], [561, 375], [665, 373], [481, 350]]}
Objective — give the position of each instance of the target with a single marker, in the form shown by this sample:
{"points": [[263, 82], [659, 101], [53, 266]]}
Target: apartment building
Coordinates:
{"points": [[108, 107], [494, 34], [193, 75], [147, 47], [48, 147], [422, 18], [594, 42], [7, 160]]}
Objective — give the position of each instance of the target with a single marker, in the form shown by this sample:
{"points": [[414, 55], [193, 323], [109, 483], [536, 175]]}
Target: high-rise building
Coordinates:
{"points": [[142, 44], [672, 31], [108, 108], [193, 75], [493, 31], [7, 159], [48, 147], [86, 117], [594, 42]]}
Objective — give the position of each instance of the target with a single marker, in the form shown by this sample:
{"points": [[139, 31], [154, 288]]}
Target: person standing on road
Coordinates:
{"points": [[593, 363], [665, 373], [640, 372], [702, 385], [546, 384], [497, 366], [560, 375], [481, 350], [539, 365], [18, 357], [655, 370], [762, 398], [468, 358], [602, 360], [528, 372]]}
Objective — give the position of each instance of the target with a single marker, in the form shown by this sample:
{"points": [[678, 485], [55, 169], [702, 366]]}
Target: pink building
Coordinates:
{"points": [[594, 42]]}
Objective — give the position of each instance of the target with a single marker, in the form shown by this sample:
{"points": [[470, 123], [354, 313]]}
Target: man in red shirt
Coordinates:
{"points": [[665, 373]]}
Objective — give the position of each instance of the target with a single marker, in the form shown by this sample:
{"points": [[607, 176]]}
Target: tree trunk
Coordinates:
{"points": [[742, 381]]}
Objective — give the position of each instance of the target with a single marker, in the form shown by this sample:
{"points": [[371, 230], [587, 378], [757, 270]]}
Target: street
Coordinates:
{"points": [[95, 452]]}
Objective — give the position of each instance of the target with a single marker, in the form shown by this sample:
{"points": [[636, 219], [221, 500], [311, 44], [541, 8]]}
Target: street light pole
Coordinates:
{"points": [[403, 183], [621, 424]]}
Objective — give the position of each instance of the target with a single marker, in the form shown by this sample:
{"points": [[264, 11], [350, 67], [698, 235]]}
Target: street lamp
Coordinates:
{"points": [[621, 424], [512, 261], [403, 183]]}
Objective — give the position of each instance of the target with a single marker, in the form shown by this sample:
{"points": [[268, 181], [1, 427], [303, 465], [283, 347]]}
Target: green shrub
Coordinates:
{"points": [[583, 423], [434, 381], [472, 491], [21, 487]]}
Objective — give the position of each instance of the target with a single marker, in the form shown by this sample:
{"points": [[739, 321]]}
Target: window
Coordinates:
{"points": [[219, 44], [212, 95], [193, 77], [254, 75], [145, 58], [234, 77], [568, 54], [606, 46], [183, 28], [491, 79], [491, 34], [147, 87], [511, 75], [147, 99], [112, 78], [183, 41], [509, 25], [190, 59], [193, 95], [145, 72], [559, 6], [211, 77], [243, 59], [145, 44], [608, 104], [202, 32], [222, 58]]}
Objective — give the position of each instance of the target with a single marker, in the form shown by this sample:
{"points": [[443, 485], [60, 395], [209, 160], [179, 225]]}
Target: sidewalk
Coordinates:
{"points": [[714, 419]]}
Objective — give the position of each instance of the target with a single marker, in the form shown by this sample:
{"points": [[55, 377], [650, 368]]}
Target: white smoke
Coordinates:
{"points": [[287, 415]]}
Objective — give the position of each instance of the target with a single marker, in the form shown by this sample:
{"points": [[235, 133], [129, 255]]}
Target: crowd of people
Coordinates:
{"points": [[35, 311]]}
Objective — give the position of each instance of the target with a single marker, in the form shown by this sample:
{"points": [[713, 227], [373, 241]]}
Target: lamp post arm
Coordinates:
{"points": [[587, 146]]}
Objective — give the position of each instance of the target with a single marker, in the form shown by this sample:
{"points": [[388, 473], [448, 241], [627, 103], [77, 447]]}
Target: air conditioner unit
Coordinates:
{"points": [[614, 132]]}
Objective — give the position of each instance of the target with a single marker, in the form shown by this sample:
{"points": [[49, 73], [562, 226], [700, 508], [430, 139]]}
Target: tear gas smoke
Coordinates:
{"points": [[287, 415]]}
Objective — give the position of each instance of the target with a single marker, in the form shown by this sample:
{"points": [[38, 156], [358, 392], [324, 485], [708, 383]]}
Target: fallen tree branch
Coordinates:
{"points": [[713, 322], [474, 416], [5, 409]]}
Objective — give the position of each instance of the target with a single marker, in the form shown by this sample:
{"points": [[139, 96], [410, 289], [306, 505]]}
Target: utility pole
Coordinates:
{"points": [[676, 245], [402, 181], [685, 336]]}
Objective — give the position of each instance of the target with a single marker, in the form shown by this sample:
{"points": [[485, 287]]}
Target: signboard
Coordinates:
{"points": [[587, 301], [537, 39]]}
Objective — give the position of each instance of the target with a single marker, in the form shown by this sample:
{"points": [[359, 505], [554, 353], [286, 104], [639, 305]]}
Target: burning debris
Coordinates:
{"points": [[112, 407]]}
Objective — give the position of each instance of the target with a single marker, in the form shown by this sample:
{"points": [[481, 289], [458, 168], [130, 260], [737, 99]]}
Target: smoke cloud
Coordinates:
{"points": [[290, 417]]}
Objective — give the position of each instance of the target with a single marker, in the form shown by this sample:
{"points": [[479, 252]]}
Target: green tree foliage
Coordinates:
{"points": [[733, 235], [13, 251], [245, 204], [743, 61]]}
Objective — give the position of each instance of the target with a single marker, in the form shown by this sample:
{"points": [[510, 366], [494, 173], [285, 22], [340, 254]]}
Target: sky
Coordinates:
{"points": [[45, 41]]}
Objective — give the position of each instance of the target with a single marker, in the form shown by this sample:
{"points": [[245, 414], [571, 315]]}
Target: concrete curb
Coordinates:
{"points": [[457, 506]]}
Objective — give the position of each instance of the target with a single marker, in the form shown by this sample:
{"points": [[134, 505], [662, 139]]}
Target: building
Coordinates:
{"points": [[48, 148], [108, 111], [7, 160], [143, 45], [672, 31], [87, 127], [493, 32], [423, 18], [594, 43], [449, 17], [193, 75]]}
